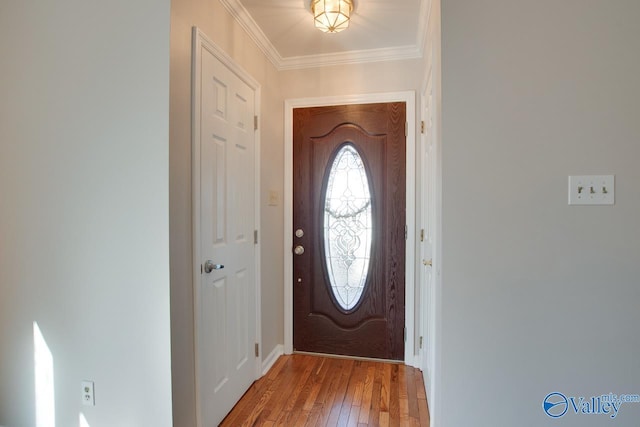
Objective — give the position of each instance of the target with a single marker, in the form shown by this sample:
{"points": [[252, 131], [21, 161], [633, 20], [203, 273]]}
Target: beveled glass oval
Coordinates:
{"points": [[348, 225]]}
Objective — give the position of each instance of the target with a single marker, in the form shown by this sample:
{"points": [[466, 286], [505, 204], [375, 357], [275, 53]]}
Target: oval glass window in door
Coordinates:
{"points": [[347, 226]]}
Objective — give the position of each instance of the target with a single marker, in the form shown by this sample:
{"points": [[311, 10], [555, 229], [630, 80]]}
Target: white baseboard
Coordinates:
{"points": [[271, 359]]}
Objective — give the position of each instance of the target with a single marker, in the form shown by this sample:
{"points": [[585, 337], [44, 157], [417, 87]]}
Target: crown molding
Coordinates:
{"points": [[351, 57], [423, 24], [246, 21]]}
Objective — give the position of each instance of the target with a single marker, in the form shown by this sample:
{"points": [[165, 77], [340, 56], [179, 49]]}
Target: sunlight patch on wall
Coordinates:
{"points": [[83, 421], [43, 368]]}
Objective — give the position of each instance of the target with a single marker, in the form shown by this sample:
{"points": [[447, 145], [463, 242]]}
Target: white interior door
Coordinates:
{"points": [[428, 161], [224, 189]]}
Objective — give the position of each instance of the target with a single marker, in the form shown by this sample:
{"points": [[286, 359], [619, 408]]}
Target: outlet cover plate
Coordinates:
{"points": [[88, 396]]}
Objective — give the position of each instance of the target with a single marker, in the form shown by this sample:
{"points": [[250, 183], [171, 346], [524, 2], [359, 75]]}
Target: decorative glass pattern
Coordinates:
{"points": [[347, 227]]}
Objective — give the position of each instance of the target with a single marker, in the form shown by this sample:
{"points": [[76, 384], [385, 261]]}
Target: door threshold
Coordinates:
{"points": [[343, 356]]}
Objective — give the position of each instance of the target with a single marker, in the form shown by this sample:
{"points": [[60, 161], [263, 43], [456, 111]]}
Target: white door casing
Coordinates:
{"points": [[427, 240], [225, 170], [431, 193]]}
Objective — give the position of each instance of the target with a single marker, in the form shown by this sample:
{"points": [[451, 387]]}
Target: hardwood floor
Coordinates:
{"points": [[304, 390]]}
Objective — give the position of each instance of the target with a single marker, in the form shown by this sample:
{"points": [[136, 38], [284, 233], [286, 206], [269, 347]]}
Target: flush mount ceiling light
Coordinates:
{"points": [[331, 16]]}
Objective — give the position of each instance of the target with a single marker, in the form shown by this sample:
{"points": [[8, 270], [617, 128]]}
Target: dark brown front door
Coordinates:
{"points": [[349, 229]]}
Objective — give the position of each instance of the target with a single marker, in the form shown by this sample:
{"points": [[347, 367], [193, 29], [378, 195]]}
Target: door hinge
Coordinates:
{"points": [[255, 122], [406, 129], [201, 269], [257, 349], [420, 342], [422, 126], [255, 237], [404, 332], [422, 235], [406, 233]]}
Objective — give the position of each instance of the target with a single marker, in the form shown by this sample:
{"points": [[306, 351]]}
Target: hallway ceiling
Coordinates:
{"points": [[379, 30]]}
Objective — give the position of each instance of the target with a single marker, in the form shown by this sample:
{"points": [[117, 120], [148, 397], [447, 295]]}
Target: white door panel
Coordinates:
{"points": [[224, 183]]}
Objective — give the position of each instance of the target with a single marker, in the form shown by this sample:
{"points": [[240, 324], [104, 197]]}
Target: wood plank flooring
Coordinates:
{"points": [[304, 390]]}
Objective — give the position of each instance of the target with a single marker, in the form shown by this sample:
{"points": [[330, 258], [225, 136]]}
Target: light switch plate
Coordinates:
{"points": [[592, 190], [273, 198]]}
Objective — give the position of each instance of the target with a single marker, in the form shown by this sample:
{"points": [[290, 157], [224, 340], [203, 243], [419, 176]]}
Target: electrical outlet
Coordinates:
{"points": [[88, 397], [592, 190]]}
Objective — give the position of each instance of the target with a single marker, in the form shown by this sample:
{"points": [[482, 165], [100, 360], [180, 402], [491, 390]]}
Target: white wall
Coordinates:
{"points": [[374, 77], [84, 222], [213, 19], [538, 296]]}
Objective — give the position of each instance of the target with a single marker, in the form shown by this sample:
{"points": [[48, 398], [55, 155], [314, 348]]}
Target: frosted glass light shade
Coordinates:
{"points": [[331, 16]]}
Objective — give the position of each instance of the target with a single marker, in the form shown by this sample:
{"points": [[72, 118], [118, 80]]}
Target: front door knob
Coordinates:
{"points": [[298, 250]]}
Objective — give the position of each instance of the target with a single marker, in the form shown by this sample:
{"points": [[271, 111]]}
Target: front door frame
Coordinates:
{"points": [[408, 97]]}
